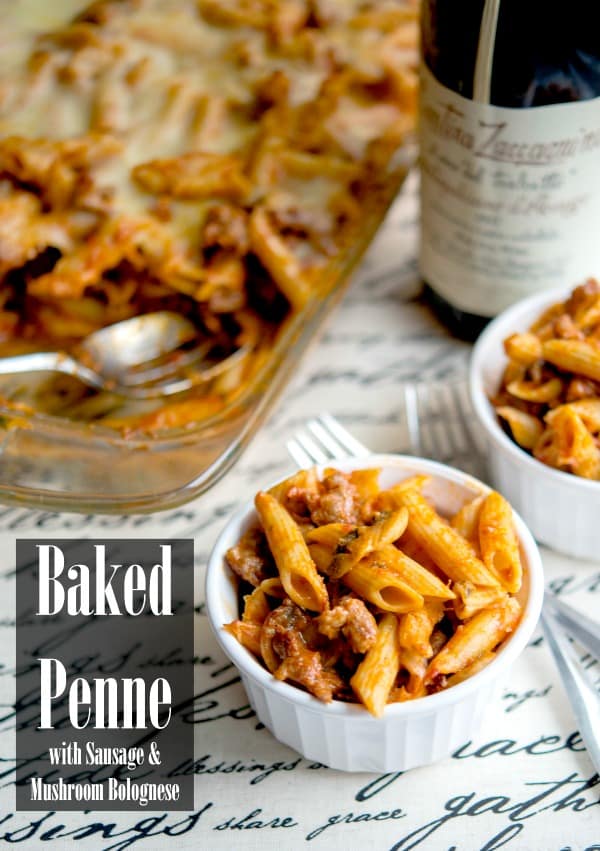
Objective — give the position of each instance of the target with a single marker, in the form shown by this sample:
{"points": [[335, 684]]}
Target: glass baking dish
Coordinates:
{"points": [[50, 462]]}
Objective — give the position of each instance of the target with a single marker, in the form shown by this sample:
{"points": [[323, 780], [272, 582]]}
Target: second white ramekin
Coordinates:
{"points": [[562, 510], [344, 735]]}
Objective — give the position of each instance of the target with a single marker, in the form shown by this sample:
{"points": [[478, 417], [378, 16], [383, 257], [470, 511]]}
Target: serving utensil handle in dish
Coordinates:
{"points": [[50, 362]]}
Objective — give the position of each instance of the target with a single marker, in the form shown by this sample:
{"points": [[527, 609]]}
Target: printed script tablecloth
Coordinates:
{"points": [[525, 783]]}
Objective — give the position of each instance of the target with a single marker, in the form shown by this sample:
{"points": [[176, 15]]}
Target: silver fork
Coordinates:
{"points": [[324, 439], [439, 424]]}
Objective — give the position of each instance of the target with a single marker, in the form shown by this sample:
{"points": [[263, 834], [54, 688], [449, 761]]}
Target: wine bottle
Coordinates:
{"points": [[510, 152]]}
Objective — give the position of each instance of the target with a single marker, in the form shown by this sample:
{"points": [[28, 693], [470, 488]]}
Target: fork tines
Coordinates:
{"points": [[438, 419], [324, 439]]}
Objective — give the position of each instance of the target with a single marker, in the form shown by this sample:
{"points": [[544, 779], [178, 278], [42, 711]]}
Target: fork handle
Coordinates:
{"points": [[49, 362], [584, 700]]}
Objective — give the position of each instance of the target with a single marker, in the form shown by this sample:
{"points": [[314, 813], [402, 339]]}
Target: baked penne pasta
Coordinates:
{"points": [[374, 580], [416, 628], [331, 534], [413, 573], [577, 356], [499, 545], [550, 392], [449, 550], [355, 545], [573, 446], [530, 391], [247, 633], [470, 598], [525, 349], [198, 156], [466, 520], [278, 259], [297, 570], [257, 605], [525, 428], [394, 626], [588, 410], [471, 669], [375, 676], [305, 482], [478, 636]]}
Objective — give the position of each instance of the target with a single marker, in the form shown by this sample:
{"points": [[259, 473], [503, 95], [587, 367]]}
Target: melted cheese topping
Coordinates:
{"points": [[152, 149]]}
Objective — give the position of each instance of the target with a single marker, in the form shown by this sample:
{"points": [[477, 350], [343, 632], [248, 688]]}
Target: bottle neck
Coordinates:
{"points": [[484, 62], [514, 54]]}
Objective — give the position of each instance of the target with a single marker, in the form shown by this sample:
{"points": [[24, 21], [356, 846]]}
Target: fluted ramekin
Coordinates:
{"points": [[562, 510], [344, 735]]}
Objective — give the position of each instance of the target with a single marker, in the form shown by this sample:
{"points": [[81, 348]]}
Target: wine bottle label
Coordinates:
{"points": [[510, 197]]}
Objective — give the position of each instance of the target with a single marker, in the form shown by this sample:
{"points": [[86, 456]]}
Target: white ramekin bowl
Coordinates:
{"points": [[561, 510], [344, 735]]}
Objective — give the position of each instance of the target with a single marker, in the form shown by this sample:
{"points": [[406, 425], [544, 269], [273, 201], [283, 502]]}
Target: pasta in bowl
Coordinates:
{"points": [[380, 649], [545, 458]]}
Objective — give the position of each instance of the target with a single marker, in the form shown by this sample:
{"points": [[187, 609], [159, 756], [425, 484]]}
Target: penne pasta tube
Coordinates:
{"points": [[499, 545], [546, 449], [415, 628], [526, 348], [209, 117], [232, 13], [309, 165], [351, 549], [330, 534], [307, 480], [448, 549], [530, 391], [372, 580], [476, 637], [413, 573], [587, 409], [269, 657], [273, 588], [375, 676], [276, 257], [576, 448], [110, 111], [574, 356], [194, 175], [321, 554], [411, 548], [256, 606], [470, 598], [414, 663], [526, 429], [513, 371], [471, 669], [392, 498], [297, 570], [466, 520], [399, 695], [542, 327], [366, 482], [247, 634], [588, 316]]}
